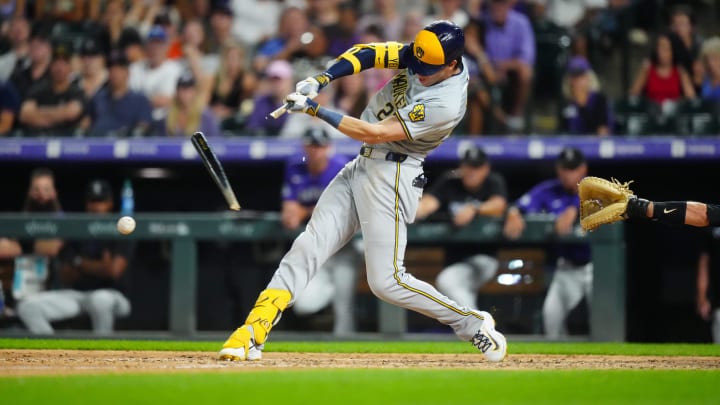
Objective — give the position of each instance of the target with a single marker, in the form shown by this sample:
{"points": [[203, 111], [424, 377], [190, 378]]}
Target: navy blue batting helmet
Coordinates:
{"points": [[435, 46]]}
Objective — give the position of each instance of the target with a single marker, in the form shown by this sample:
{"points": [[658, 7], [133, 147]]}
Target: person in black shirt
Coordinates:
{"points": [[24, 76], [91, 270], [40, 254], [472, 190], [54, 107]]}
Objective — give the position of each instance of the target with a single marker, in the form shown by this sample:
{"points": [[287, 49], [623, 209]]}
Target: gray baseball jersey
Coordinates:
{"points": [[428, 114], [379, 196]]}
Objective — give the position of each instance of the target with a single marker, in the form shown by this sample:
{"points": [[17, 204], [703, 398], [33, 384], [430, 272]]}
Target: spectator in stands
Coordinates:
{"points": [[116, 110], [156, 77], [586, 110], [194, 59], [188, 112], [413, 22], [93, 73], [461, 195], [389, 19], [351, 95], [338, 24], [710, 87], [255, 20], [482, 79], [147, 14], [451, 10], [194, 9], [116, 33], [221, 25], [510, 46], [278, 83], [68, 11], [91, 272], [686, 43], [305, 180], [54, 107], [9, 107], [168, 21], [233, 83], [574, 16], [40, 53], [19, 54], [296, 38], [708, 282], [42, 198], [11, 9], [659, 79], [193, 38], [574, 271]]}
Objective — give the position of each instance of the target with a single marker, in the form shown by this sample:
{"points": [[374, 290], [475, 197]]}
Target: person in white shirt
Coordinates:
{"points": [[19, 36], [156, 76]]}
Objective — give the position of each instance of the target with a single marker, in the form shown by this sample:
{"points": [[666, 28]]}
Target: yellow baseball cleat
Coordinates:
{"points": [[241, 346], [248, 341]]}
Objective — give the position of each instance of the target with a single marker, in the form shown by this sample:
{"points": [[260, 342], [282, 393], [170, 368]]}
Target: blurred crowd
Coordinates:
{"points": [[121, 68]]}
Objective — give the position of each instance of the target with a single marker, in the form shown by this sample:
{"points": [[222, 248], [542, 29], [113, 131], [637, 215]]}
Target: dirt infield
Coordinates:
{"points": [[61, 362]]}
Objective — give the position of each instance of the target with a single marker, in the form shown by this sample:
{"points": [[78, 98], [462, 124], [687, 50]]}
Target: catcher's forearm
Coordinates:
{"points": [[684, 212]]}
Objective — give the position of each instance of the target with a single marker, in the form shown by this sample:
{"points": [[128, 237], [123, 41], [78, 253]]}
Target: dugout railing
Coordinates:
{"points": [[184, 230]]}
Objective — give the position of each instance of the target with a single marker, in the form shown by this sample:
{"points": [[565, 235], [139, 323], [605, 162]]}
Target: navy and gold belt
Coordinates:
{"points": [[373, 153]]}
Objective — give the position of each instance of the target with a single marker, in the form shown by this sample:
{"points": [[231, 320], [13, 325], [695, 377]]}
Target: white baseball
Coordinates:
{"points": [[126, 225]]}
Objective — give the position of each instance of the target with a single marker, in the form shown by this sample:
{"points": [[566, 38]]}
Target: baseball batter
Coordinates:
{"points": [[378, 191]]}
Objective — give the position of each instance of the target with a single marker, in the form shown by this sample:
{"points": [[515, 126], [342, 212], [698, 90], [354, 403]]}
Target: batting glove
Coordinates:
{"points": [[312, 85], [300, 103]]}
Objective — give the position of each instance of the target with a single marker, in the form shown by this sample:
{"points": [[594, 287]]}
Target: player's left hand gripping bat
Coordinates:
{"points": [[283, 109], [212, 164]]}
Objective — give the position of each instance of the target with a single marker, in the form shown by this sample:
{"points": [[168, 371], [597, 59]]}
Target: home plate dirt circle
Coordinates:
{"points": [[56, 362]]}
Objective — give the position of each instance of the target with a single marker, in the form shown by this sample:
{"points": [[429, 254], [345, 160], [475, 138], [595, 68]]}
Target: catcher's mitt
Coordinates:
{"points": [[602, 201]]}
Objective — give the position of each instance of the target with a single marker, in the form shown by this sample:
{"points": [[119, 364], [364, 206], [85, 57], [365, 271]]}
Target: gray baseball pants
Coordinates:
{"points": [[461, 281], [103, 306], [375, 196], [568, 287]]}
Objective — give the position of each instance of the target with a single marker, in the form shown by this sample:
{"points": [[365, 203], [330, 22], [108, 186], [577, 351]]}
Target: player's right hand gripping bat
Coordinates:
{"points": [[212, 164]]}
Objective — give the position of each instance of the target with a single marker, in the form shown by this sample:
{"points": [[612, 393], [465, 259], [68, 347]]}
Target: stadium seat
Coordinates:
{"points": [[552, 53], [698, 117], [634, 116]]}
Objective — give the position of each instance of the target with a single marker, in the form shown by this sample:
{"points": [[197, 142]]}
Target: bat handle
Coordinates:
{"points": [[280, 111]]}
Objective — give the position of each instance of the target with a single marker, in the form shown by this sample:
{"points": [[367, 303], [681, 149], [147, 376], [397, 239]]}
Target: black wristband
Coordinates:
{"points": [[670, 212], [637, 208], [713, 214]]}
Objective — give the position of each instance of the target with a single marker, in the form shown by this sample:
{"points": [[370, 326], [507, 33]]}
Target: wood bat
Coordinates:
{"points": [[283, 109], [213, 166], [280, 111]]}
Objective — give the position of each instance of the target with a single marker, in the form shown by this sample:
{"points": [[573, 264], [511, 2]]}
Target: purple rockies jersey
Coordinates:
{"points": [[551, 198], [301, 186]]}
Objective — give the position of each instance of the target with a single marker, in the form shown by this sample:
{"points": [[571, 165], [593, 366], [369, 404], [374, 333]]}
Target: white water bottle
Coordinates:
{"points": [[127, 199]]}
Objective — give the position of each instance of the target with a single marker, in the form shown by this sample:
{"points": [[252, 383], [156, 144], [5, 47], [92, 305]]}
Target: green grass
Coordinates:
{"points": [[628, 349], [382, 386], [364, 386]]}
